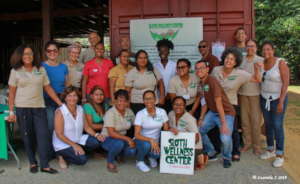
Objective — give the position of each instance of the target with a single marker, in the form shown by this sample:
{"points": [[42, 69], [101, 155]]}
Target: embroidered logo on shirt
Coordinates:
{"points": [[206, 88], [233, 77], [193, 85], [182, 124], [36, 72]]}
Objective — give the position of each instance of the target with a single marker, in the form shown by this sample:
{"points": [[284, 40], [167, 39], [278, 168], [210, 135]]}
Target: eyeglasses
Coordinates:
{"points": [[28, 54], [202, 46], [200, 68], [178, 105], [263, 77], [53, 51], [181, 67]]}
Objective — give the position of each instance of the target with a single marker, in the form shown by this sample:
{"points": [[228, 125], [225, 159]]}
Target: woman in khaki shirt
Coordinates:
{"points": [[142, 78], [118, 73], [186, 85], [182, 121], [231, 79], [117, 120], [27, 81]]}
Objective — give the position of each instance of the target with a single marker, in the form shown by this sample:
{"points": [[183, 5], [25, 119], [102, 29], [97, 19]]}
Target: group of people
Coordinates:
{"points": [[66, 109]]}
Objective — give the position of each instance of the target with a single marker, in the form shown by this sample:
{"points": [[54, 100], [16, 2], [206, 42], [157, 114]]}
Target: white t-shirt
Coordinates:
{"points": [[151, 126], [167, 73]]}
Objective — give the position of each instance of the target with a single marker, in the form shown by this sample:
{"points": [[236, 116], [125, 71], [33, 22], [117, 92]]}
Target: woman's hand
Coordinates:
{"points": [[154, 146], [78, 149], [131, 143], [174, 131], [100, 137], [279, 108], [161, 101], [12, 118]]}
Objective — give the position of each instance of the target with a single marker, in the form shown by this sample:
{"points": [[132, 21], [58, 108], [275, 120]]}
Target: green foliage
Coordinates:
{"points": [[279, 22]]}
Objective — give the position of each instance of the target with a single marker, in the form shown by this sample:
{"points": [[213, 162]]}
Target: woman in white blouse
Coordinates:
{"points": [[68, 137]]}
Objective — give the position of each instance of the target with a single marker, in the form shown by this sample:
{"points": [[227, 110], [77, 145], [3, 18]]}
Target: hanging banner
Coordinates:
{"points": [[185, 33], [177, 153]]}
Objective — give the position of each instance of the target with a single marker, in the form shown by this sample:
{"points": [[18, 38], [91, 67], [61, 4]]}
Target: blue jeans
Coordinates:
{"points": [[115, 147], [143, 150], [50, 118], [274, 125], [211, 120], [69, 155]]}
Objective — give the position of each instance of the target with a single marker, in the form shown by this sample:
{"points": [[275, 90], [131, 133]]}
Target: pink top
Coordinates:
{"points": [[97, 74]]}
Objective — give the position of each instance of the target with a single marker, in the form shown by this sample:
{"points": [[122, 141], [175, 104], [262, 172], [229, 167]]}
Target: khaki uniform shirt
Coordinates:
{"points": [[29, 86], [176, 86], [186, 123], [114, 119], [141, 82]]}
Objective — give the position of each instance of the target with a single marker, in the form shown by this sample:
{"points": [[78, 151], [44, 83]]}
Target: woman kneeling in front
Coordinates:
{"points": [[182, 121], [117, 120], [68, 138], [148, 124]]}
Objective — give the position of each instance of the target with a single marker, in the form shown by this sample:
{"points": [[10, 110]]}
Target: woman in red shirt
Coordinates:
{"points": [[95, 72]]}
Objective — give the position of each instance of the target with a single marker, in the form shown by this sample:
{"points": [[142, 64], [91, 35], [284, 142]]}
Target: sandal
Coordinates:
{"points": [[201, 162], [112, 169], [34, 169], [62, 163], [245, 148], [49, 170], [236, 158]]}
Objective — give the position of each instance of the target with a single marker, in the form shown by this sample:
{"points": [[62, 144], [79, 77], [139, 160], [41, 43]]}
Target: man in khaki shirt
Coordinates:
{"points": [[89, 53]]}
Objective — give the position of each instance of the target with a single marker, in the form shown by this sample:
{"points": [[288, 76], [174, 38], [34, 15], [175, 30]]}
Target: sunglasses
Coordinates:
{"points": [[263, 77], [53, 51], [202, 46]]}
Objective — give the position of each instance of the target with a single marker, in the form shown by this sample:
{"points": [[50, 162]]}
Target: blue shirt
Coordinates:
{"points": [[57, 76]]}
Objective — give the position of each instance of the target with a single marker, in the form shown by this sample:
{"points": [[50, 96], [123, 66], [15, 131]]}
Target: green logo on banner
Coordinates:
{"points": [[164, 31]]}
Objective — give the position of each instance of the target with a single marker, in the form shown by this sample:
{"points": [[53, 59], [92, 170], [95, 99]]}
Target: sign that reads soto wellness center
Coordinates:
{"points": [[177, 153], [185, 33]]}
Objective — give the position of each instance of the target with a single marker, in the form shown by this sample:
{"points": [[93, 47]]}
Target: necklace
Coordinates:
{"points": [[73, 112]]}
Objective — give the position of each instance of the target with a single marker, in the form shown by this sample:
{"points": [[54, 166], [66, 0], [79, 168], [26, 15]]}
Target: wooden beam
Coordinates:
{"points": [[47, 20], [56, 13]]}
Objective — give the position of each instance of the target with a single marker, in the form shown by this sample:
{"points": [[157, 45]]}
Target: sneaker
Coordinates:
{"points": [[142, 166], [278, 162], [226, 163], [153, 162], [267, 155], [213, 157]]}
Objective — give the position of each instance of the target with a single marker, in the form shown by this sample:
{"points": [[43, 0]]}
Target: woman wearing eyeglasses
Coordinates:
{"points": [[186, 85], [58, 76], [251, 115], [275, 81], [147, 127]]}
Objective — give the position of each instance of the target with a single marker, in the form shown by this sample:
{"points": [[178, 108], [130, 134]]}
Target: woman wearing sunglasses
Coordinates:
{"points": [[186, 85], [58, 76]]}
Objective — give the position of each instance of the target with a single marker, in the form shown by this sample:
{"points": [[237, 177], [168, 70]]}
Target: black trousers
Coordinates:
{"points": [[236, 138], [35, 134]]}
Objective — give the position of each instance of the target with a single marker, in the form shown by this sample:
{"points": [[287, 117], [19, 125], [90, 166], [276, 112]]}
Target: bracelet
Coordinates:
{"points": [[96, 134], [11, 113]]}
